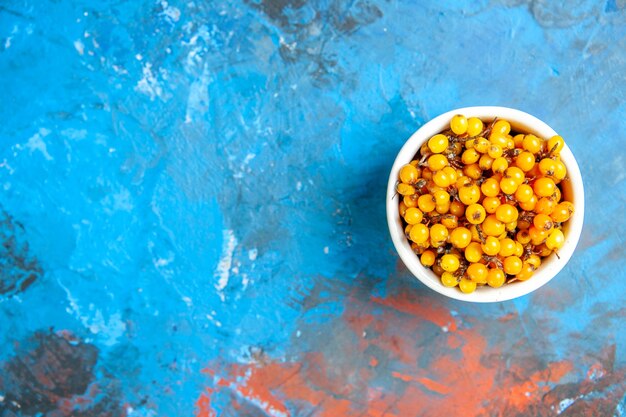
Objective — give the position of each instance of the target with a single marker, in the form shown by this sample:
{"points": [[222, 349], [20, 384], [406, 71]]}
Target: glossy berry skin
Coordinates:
{"points": [[474, 126], [507, 213], [460, 237], [409, 174], [556, 240], [459, 124], [524, 193], [475, 213], [507, 247], [512, 265], [490, 187], [448, 279], [428, 258], [413, 215], [419, 233], [469, 194], [437, 162], [491, 204], [477, 272], [555, 145], [438, 143], [562, 212], [438, 232], [450, 263], [426, 203], [491, 246], [495, 278], [492, 226], [544, 187], [473, 252], [467, 286]]}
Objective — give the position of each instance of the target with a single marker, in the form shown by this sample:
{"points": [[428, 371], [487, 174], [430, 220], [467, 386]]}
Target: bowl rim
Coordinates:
{"points": [[548, 270]]}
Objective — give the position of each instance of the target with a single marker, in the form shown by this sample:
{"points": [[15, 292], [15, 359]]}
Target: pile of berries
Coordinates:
{"points": [[482, 205]]}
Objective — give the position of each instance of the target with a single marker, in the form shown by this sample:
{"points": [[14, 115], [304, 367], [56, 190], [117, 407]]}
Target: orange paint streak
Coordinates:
{"points": [[453, 373], [421, 307]]}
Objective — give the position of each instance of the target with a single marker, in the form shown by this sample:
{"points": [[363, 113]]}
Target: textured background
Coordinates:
{"points": [[192, 215]]}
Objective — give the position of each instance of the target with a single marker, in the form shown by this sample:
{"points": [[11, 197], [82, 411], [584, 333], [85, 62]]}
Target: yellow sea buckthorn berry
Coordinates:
{"points": [[413, 215], [474, 126], [499, 139], [470, 156], [518, 140], [490, 187], [463, 181], [544, 187], [450, 220], [477, 272], [415, 163], [428, 258], [560, 172], [495, 151], [457, 208], [562, 212], [407, 230], [499, 164], [469, 194], [557, 195], [512, 265], [547, 166], [475, 235], [515, 173], [467, 286], [523, 237], [491, 246], [507, 247], [405, 189], [450, 172], [427, 174], [524, 193], [526, 272], [532, 144], [511, 226], [506, 213], [473, 252], [418, 249], [419, 233], [545, 205], [495, 277], [508, 185], [555, 145], [481, 145], [438, 232], [501, 126], [492, 226], [534, 260], [469, 144], [491, 204], [449, 262], [543, 222], [441, 197], [402, 208], [542, 250], [475, 213], [460, 237], [556, 240], [537, 236], [441, 179], [473, 171], [510, 143], [438, 270], [485, 162], [438, 143], [530, 204], [410, 200], [449, 280], [525, 161], [426, 203], [458, 124], [409, 174], [443, 208], [437, 162]]}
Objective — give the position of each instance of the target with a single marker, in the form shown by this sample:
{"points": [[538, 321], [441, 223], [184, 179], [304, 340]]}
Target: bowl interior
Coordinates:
{"points": [[572, 190]]}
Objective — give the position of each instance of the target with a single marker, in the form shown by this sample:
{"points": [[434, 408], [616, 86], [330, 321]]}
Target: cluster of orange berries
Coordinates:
{"points": [[482, 205]]}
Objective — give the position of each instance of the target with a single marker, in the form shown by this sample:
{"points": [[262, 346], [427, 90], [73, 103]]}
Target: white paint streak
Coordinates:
{"points": [[252, 254], [222, 273], [171, 12], [564, 404], [148, 83], [36, 143], [80, 46]]}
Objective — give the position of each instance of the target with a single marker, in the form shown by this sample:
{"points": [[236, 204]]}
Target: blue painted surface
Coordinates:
{"points": [[192, 186]]}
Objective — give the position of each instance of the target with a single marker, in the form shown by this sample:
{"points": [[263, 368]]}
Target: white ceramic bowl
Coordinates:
{"points": [[572, 191]]}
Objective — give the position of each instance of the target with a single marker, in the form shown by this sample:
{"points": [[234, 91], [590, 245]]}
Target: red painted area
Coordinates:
{"points": [[455, 371]]}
